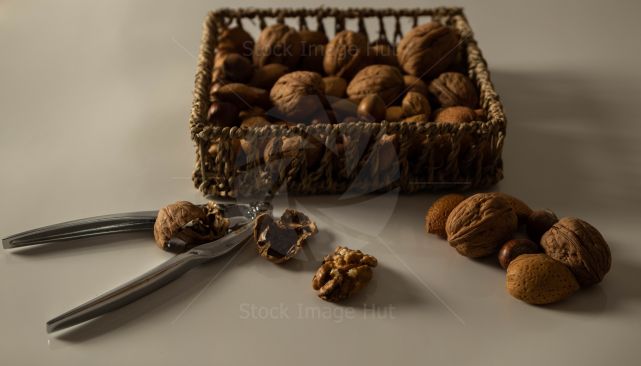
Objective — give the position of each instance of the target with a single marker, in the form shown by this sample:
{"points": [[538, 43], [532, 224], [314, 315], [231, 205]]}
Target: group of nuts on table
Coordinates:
{"points": [[288, 77], [554, 259]]}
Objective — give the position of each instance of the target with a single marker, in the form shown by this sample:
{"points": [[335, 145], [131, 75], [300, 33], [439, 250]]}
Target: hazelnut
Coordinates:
{"points": [[514, 248], [278, 43], [265, 77], [384, 80], [335, 86], [427, 50], [235, 40], [436, 216], [538, 222], [415, 103], [454, 89], [343, 273], [345, 54], [280, 240], [394, 114], [372, 108], [538, 279], [414, 84], [223, 114]]}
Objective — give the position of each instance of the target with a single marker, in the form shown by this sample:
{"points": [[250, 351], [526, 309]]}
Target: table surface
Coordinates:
{"points": [[95, 97]]}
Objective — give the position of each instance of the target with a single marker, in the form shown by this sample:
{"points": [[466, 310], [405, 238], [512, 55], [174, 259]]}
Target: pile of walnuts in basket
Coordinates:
{"points": [[547, 262], [288, 77]]}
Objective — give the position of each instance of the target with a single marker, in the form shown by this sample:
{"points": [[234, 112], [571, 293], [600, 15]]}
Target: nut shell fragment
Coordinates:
{"points": [[280, 240], [343, 273]]}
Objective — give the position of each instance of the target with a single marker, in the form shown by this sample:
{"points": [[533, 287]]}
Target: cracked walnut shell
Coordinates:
{"points": [[427, 50], [479, 225], [280, 240], [579, 246], [384, 80], [343, 273]]}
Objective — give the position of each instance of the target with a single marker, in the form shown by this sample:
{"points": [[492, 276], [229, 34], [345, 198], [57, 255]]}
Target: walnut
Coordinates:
{"points": [[343, 273], [265, 77], [232, 67], [454, 88], [372, 108], [581, 247], [479, 225], [415, 103], [345, 54], [235, 40], [313, 50], [414, 84], [538, 279], [279, 44], [457, 114], [521, 209], [298, 94], [280, 240], [427, 50], [384, 80], [182, 225], [383, 53], [242, 96], [335, 86]]}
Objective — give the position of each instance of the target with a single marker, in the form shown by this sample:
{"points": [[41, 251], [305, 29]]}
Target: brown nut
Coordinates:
{"points": [[313, 50], [414, 84], [280, 240], [345, 54], [335, 86], [232, 67], [539, 222], [265, 77], [242, 96], [415, 103], [253, 112], [182, 225], [287, 149], [394, 114], [521, 209], [372, 108], [222, 114], [298, 94], [384, 80], [538, 279], [278, 44], [383, 53], [418, 118], [436, 216], [479, 225], [427, 50], [579, 246], [343, 108], [235, 40], [514, 248], [454, 88], [343, 273], [455, 115]]}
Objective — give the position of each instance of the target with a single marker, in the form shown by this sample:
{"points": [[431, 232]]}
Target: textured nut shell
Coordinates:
{"points": [[415, 103], [372, 107], [581, 247], [343, 273], [538, 279], [384, 80], [345, 54], [454, 88], [335, 86], [292, 230], [296, 95], [236, 40], [437, 214], [427, 50], [173, 217], [418, 118], [455, 114], [521, 209], [278, 43], [265, 77], [479, 225]]}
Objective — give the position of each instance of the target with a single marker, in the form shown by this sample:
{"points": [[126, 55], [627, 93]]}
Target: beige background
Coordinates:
{"points": [[94, 101]]}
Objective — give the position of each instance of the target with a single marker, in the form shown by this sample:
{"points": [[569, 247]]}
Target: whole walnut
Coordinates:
{"points": [[235, 40], [278, 43], [345, 54], [182, 225], [232, 67], [521, 209], [457, 114], [298, 94], [384, 80], [343, 273], [427, 50], [242, 96], [579, 246], [280, 240], [454, 88], [313, 51], [265, 77], [480, 224]]}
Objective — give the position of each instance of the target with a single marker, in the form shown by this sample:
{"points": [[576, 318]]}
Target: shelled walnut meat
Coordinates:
{"points": [[427, 50], [278, 43], [343, 273], [182, 225], [280, 240], [384, 80]]}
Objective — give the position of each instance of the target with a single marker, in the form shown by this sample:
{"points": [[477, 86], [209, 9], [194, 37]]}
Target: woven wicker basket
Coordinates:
{"points": [[445, 160]]}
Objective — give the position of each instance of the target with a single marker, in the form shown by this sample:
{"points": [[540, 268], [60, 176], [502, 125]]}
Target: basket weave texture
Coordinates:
{"points": [[444, 161]]}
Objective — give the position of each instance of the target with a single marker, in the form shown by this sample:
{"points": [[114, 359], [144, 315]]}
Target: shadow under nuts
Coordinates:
{"points": [[345, 54], [479, 225], [454, 88], [384, 80], [427, 50], [280, 240], [343, 273], [278, 43], [298, 94], [579, 246]]}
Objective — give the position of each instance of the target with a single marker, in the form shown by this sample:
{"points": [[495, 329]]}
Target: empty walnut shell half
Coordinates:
{"points": [[279, 44], [454, 88], [182, 225], [280, 240], [579, 246], [427, 50], [343, 273]]}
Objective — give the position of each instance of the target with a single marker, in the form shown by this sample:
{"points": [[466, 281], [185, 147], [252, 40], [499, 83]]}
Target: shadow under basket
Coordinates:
{"points": [[350, 157]]}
